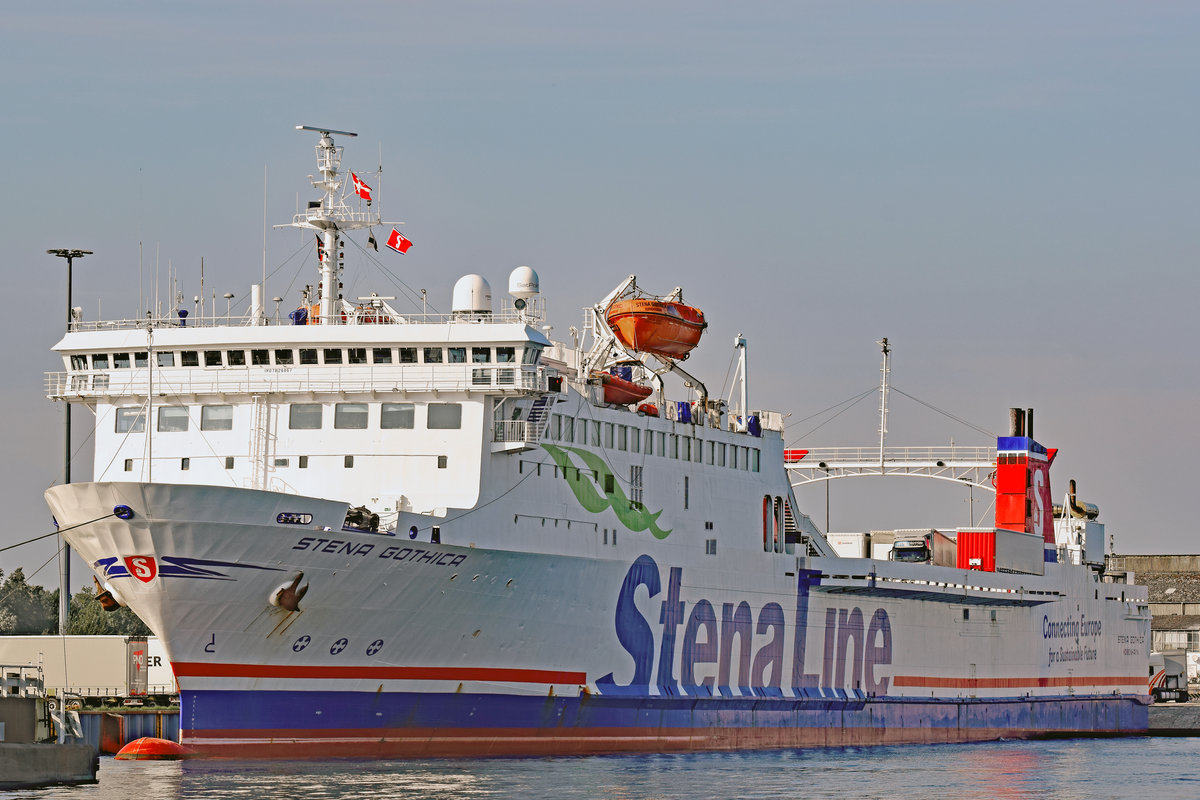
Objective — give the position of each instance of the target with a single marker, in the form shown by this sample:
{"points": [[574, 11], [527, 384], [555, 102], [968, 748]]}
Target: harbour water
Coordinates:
{"points": [[1065, 769]]}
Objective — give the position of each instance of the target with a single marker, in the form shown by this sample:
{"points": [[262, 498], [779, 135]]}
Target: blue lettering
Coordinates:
{"points": [[770, 655], [850, 628], [806, 579], [632, 629], [694, 652], [670, 617], [739, 623], [303, 543], [879, 651]]}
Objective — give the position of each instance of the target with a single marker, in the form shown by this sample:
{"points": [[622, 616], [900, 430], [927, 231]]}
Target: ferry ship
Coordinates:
{"points": [[361, 531]]}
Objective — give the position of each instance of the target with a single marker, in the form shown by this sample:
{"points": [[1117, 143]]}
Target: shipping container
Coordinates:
{"points": [[849, 545], [1001, 550], [87, 670]]}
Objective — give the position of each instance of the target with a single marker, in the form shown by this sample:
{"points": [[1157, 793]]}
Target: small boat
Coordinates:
{"points": [[662, 327], [621, 392]]}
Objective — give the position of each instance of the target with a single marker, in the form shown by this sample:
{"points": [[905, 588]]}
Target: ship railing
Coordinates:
{"points": [[962, 465], [342, 213], [518, 431], [371, 316], [491, 378]]}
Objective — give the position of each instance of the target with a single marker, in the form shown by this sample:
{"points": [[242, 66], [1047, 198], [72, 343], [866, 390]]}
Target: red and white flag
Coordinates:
{"points": [[360, 188], [397, 242]]}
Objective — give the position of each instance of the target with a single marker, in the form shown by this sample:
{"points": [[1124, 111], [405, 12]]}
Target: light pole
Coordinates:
{"points": [[64, 553]]}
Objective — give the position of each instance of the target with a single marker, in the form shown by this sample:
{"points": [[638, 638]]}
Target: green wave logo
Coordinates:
{"points": [[588, 490]]}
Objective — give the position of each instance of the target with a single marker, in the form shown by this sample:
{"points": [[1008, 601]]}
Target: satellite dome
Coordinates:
{"points": [[472, 295], [523, 283]]}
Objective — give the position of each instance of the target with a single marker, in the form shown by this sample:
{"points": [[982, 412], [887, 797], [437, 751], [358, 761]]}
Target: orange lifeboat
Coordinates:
{"points": [[621, 392], [661, 327]]}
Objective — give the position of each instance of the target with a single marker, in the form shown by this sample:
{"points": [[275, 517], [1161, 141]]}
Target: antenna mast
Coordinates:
{"points": [[885, 370], [330, 216]]}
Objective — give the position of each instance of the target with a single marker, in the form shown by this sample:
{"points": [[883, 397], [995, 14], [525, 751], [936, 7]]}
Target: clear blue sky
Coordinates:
{"points": [[1007, 192]]}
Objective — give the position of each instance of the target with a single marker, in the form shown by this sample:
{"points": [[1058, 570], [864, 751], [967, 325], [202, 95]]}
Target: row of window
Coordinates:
{"points": [[301, 417], [306, 356], [661, 443], [185, 463]]}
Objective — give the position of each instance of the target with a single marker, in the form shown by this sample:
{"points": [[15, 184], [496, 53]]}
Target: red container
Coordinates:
{"points": [[977, 550]]}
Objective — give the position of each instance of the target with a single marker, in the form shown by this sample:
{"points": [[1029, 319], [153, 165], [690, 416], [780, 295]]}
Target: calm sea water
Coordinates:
{"points": [[1091, 769]]}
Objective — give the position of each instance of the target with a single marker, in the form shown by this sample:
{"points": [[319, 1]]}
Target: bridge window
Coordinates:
{"points": [[356, 355], [235, 358], [350, 416], [754, 459], [622, 437], [383, 355], [685, 452], [721, 455], [608, 435], [304, 417], [457, 355], [131, 420], [166, 359], [506, 355], [444, 416], [216, 418], [532, 354], [393, 416], [260, 358], [284, 358], [189, 358], [120, 360], [333, 355], [141, 359], [635, 439], [172, 419], [100, 361], [568, 429], [79, 362], [432, 355], [481, 355], [308, 355], [212, 358]]}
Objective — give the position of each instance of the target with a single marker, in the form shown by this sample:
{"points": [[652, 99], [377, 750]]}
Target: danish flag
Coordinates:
{"points": [[360, 188]]}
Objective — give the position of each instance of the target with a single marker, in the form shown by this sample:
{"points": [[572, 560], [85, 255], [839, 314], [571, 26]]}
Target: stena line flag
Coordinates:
{"points": [[360, 188], [397, 242]]}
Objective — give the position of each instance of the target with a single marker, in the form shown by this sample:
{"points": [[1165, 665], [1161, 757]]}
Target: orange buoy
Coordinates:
{"points": [[149, 748]]}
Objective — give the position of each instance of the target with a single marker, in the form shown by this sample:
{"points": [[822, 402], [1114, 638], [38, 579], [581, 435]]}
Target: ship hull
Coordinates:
{"points": [[404, 647], [400, 725]]}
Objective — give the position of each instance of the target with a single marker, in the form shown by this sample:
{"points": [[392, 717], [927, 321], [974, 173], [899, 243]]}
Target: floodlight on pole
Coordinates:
{"points": [[64, 553]]}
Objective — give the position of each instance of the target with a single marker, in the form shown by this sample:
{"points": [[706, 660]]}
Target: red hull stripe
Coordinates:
{"points": [[440, 742], [198, 669], [1015, 683]]}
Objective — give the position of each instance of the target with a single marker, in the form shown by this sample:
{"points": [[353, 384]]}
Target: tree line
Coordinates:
{"points": [[29, 609]]}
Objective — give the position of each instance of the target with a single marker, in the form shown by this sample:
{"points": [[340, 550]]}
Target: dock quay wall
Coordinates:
{"points": [[25, 766]]}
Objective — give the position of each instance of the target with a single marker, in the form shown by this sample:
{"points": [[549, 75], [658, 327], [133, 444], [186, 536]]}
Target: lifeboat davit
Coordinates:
{"points": [[662, 327], [621, 392]]}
